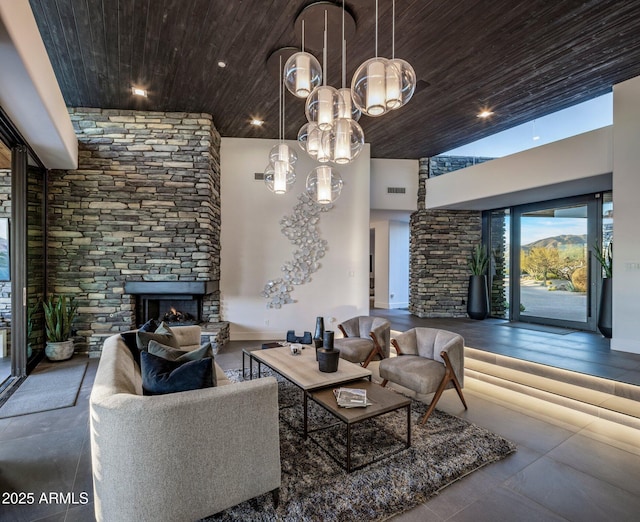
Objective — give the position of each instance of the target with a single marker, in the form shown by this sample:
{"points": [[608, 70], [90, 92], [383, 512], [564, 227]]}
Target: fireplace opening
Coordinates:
{"points": [[175, 303]]}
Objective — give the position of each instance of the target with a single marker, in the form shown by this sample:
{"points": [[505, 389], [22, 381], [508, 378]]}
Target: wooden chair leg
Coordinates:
{"points": [[452, 375], [376, 350], [275, 496], [384, 383], [449, 376], [436, 398]]}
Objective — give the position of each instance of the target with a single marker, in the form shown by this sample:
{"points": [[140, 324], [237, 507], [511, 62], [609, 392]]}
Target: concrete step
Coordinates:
{"points": [[595, 396]]}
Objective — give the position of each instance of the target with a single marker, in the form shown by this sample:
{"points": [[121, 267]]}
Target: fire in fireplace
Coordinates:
{"points": [[174, 316]]}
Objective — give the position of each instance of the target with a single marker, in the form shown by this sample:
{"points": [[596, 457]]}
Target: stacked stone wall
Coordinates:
{"points": [[441, 242], [439, 165], [144, 204]]}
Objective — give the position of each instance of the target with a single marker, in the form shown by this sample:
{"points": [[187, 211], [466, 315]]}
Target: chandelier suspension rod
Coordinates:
{"points": [[324, 53], [280, 102], [376, 28], [393, 30], [344, 52]]}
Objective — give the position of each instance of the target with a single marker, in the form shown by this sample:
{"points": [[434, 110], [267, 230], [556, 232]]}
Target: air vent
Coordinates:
{"points": [[258, 176], [396, 190]]}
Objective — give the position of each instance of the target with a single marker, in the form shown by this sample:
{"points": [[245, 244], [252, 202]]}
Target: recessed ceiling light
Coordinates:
{"points": [[257, 123], [222, 64], [484, 113], [137, 91]]}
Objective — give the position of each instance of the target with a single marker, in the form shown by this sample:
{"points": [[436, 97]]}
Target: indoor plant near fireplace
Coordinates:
{"points": [[478, 294], [605, 258], [59, 313]]}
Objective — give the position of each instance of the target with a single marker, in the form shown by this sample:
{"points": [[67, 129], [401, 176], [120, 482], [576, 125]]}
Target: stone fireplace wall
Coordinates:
{"points": [[440, 244], [143, 205]]}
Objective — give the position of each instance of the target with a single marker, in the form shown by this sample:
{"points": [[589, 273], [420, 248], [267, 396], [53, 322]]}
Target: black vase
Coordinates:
{"points": [[319, 333], [327, 340], [478, 297], [605, 324], [328, 360]]}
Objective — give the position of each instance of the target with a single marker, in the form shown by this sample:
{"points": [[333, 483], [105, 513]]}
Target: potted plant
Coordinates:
{"points": [[605, 258], [478, 295], [58, 315]]}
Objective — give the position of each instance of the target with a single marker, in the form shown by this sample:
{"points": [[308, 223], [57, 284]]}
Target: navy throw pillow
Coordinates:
{"points": [[131, 341], [160, 376], [181, 356], [163, 335]]}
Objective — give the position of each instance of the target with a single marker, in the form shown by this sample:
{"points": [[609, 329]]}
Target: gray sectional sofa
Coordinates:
{"points": [[181, 456]]}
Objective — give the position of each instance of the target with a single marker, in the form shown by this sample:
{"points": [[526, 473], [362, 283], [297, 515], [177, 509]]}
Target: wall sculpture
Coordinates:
{"points": [[301, 229]]}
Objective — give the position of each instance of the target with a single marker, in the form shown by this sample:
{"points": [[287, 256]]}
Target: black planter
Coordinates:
{"points": [[328, 360], [478, 297], [605, 324]]}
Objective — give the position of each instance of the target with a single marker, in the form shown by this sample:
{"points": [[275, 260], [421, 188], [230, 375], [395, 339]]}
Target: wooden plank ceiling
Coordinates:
{"points": [[522, 59], [5, 156]]}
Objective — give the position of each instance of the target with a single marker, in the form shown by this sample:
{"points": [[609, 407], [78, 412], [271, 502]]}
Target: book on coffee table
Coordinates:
{"points": [[351, 397]]}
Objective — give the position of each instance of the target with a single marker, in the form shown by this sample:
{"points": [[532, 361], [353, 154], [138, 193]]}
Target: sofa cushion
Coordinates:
{"points": [[130, 338], [160, 376], [163, 335], [173, 354]]}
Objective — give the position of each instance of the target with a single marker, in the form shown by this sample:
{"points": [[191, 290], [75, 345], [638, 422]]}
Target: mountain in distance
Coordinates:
{"points": [[560, 242]]}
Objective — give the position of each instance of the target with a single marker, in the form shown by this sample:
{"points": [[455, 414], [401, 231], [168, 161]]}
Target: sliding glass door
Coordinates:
{"points": [[543, 269], [555, 280]]}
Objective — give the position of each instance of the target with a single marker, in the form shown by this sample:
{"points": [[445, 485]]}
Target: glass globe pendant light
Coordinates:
{"points": [[346, 137], [401, 81], [322, 103], [280, 173], [324, 184], [302, 72], [369, 83], [345, 141], [309, 137], [279, 176]]}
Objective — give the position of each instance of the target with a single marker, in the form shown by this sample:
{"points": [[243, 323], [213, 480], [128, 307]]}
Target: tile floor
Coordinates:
{"points": [[563, 469]]}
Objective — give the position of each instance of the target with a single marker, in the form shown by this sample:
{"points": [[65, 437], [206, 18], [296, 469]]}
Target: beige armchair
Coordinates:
{"points": [[429, 360], [364, 339]]}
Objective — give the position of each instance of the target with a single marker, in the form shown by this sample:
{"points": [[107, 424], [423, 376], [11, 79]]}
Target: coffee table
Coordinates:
{"points": [[383, 401], [302, 370]]}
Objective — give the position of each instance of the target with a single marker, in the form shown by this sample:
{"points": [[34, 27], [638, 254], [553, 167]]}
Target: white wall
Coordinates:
{"points": [[391, 264], [390, 219], [394, 173], [253, 249], [578, 165], [626, 195], [398, 264], [381, 264]]}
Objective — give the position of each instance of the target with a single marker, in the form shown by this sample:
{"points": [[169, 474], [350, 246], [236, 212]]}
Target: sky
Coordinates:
{"points": [[580, 118], [532, 229]]}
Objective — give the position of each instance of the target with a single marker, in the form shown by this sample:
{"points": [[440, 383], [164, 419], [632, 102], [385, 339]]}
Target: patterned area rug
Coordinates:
{"points": [[315, 488]]}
